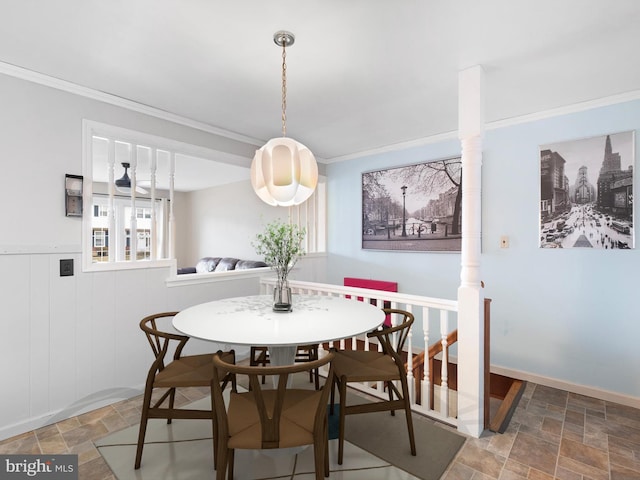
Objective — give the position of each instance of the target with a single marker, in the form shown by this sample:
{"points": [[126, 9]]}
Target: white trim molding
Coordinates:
{"points": [[64, 85]]}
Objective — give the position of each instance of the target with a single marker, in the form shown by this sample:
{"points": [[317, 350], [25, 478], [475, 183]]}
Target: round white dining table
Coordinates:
{"points": [[251, 321]]}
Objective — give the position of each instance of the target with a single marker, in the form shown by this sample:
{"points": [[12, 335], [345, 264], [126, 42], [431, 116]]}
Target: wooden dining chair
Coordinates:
{"points": [[264, 418], [259, 355], [171, 370], [384, 366]]}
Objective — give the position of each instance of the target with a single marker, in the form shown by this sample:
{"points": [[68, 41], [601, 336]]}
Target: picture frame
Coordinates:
{"points": [[586, 193], [414, 207], [73, 188]]}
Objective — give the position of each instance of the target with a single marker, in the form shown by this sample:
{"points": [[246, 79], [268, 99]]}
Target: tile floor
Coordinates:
{"points": [[553, 434]]}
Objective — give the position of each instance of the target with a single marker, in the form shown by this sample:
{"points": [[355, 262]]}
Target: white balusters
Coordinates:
{"points": [[172, 218], [154, 220], [111, 209], [444, 372], [410, 377], [425, 394], [412, 303]]}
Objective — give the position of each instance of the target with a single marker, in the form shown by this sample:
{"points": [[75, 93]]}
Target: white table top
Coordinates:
{"points": [[251, 320]]}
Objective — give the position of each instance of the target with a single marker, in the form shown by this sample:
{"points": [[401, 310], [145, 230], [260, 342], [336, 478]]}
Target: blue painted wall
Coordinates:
{"points": [[567, 314]]}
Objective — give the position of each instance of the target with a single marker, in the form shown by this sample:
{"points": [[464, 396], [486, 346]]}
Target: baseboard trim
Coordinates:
{"points": [[585, 390], [84, 405]]}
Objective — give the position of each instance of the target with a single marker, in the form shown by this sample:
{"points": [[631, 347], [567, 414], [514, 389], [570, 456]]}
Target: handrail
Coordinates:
{"points": [[445, 409], [443, 304], [436, 347]]}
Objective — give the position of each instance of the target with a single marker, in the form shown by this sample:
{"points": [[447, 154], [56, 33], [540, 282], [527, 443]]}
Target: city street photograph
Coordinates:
{"points": [[414, 207], [586, 193]]}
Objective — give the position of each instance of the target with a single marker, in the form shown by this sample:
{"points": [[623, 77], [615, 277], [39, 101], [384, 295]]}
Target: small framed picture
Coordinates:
{"points": [[73, 195]]}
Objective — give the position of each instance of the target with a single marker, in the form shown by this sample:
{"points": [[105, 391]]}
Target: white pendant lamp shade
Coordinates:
{"points": [[284, 172]]}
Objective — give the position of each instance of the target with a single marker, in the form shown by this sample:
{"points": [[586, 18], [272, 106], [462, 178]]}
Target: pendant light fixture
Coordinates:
{"points": [[284, 172]]}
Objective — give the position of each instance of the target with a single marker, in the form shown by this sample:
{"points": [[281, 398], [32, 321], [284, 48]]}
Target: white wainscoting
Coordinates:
{"points": [[72, 344]]}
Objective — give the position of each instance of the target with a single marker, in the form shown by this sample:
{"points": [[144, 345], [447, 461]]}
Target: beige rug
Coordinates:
{"points": [[386, 437], [184, 450]]}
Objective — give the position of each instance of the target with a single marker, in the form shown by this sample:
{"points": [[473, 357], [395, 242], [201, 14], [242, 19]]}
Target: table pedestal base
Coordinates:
{"points": [[279, 356]]}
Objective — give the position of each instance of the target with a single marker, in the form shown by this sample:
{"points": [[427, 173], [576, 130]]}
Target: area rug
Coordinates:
{"points": [[386, 437], [186, 444]]}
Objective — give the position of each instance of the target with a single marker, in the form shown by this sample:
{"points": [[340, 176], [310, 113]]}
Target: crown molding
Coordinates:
{"points": [[418, 142], [565, 110], [46, 80], [494, 125], [69, 87]]}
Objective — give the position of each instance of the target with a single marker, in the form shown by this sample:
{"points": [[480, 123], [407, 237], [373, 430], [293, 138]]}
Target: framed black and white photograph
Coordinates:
{"points": [[586, 193], [414, 207], [73, 195]]}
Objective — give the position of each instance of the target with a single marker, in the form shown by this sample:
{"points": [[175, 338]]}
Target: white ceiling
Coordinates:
{"points": [[362, 75]]}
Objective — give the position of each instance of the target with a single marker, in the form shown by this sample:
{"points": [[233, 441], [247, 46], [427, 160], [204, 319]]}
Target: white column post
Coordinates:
{"points": [[172, 219], [470, 295]]}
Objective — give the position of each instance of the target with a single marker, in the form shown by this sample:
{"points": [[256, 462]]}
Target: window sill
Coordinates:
{"points": [[111, 266]]}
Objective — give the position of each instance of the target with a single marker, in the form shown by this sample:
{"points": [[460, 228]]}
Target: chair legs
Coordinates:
{"points": [[407, 412], [341, 383], [321, 455], [144, 418], [222, 461]]}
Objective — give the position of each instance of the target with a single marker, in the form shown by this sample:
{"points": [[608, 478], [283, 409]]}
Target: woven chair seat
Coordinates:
{"points": [[268, 418]]}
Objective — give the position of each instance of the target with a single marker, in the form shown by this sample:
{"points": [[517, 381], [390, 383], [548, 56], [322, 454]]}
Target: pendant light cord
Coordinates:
{"points": [[284, 89]]}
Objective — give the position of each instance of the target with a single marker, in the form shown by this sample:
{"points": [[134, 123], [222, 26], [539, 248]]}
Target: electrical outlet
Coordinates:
{"points": [[504, 242]]}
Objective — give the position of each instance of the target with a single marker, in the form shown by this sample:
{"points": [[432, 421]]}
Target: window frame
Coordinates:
{"points": [[90, 129]]}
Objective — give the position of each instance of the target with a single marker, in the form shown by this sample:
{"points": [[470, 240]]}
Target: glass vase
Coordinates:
{"points": [[282, 297]]}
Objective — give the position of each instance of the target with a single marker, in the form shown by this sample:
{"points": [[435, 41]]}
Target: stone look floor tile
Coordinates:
{"points": [[550, 395], [501, 444], [552, 426], [538, 475], [564, 474], [552, 433], [623, 461], [511, 475], [481, 460], [518, 468], [582, 453], [53, 444], [624, 447], [621, 473], [574, 418], [582, 469], [96, 469], [535, 452], [458, 471], [26, 443]]}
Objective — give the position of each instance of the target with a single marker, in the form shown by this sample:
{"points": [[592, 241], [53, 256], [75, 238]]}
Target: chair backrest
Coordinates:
{"points": [[268, 408], [393, 338], [162, 342]]}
